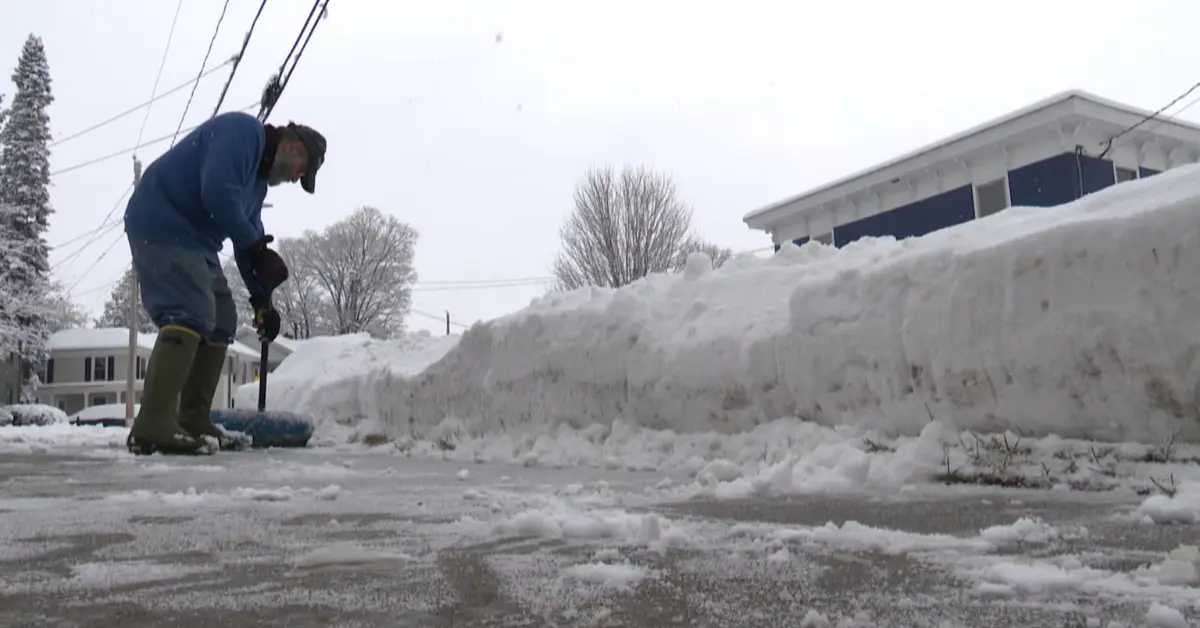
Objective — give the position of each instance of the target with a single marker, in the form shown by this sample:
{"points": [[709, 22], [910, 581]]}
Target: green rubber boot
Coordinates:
{"points": [[156, 427], [195, 400]]}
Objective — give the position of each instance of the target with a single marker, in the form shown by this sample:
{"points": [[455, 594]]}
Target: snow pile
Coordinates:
{"points": [[38, 438], [35, 414], [334, 379], [1076, 320]]}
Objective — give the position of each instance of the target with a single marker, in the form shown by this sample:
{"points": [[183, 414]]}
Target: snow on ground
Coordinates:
{"points": [[39, 438]]}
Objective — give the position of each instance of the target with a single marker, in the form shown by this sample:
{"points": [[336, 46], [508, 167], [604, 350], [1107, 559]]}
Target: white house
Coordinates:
{"points": [[88, 367], [280, 348], [1051, 152]]}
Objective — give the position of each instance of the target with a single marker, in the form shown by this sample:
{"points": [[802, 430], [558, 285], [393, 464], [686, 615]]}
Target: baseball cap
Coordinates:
{"points": [[314, 144]]}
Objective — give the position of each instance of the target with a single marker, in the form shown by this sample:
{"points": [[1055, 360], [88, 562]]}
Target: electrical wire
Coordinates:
{"points": [[133, 148], [208, 52], [107, 249], [104, 223], [1109, 143], [280, 81], [238, 59], [162, 64], [136, 108]]}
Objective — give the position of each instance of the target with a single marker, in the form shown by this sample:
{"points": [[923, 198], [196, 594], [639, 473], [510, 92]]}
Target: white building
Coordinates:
{"points": [[280, 348], [1051, 152], [88, 367]]}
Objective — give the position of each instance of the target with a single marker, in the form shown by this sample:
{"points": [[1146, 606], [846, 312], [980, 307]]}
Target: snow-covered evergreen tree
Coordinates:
{"points": [[25, 204], [116, 309]]}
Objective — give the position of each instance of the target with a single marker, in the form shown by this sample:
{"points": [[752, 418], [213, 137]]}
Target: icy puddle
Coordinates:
{"points": [[322, 537]]}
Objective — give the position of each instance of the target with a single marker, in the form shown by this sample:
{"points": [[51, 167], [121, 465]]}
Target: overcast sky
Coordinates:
{"points": [[472, 121]]}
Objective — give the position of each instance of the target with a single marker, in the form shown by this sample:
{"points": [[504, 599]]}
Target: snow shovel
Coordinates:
{"points": [[276, 428]]}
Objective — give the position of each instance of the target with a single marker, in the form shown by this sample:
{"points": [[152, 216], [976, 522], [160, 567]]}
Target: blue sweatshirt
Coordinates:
{"points": [[205, 189]]}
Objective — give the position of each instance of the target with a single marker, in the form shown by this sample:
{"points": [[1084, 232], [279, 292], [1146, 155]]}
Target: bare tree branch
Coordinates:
{"points": [[624, 226], [364, 264], [717, 255]]}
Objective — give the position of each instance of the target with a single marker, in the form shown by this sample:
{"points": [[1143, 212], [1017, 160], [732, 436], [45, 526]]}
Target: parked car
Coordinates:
{"points": [[106, 415]]}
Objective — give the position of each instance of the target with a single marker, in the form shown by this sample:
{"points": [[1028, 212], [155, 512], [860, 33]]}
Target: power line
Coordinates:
{"points": [[133, 148], [481, 281], [490, 286], [203, 63], [140, 106], [1148, 118], [162, 64], [67, 261], [103, 223], [238, 59], [97, 262], [280, 81]]}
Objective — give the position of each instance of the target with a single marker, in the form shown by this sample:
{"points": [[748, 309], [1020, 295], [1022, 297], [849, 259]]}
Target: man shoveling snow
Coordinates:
{"points": [[209, 187]]}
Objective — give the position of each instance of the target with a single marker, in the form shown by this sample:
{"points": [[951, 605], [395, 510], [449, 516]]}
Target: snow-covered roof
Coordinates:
{"points": [[1072, 103], [103, 338], [117, 338]]}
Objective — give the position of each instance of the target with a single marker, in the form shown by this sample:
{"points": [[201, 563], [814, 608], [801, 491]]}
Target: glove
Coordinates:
{"points": [[268, 266], [266, 319]]}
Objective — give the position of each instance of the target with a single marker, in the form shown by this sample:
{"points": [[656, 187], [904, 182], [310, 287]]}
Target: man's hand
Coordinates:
{"points": [[266, 319], [269, 267]]}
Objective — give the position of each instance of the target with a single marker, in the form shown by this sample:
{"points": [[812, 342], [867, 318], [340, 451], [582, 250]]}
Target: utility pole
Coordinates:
{"points": [[131, 367]]}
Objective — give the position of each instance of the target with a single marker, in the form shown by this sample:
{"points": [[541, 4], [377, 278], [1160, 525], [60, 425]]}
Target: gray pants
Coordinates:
{"points": [[186, 288]]}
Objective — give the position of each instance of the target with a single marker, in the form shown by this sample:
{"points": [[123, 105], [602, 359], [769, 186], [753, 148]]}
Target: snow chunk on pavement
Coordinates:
{"points": [[36, 438], [1163, 616], [348, 555], [620, 576]]}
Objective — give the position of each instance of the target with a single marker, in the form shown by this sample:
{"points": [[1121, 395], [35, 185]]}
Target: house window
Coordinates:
{"points": [[140, 366], [825, 238], [1125, 174], [99, 369], [991, 197]]}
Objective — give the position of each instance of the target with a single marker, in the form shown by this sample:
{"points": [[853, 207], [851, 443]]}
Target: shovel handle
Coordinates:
{"points": [[262, 376]]}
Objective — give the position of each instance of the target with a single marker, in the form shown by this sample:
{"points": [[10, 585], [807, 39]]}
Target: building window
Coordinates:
{"points": [[49, 371], [140, 366], [825, 238], [991, 197], [1125, 174], [99, 369]]}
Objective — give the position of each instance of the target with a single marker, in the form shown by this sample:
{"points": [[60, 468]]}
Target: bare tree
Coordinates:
{"points": [[301, 301], [364, 264], [716, 253], [116, 308], [241, 296], [624, 226]]}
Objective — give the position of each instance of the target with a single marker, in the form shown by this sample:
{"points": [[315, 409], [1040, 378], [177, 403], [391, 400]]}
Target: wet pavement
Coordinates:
{"points": [[321, 538]]}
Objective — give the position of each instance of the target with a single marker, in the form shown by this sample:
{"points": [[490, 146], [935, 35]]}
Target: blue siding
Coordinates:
{"points": [[1147, 172], [798, 242], [1055, 181], [916, 219]]}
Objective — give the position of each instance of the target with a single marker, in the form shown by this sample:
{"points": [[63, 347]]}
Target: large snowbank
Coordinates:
{"points": [[1079, 320], [336, 379]]}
